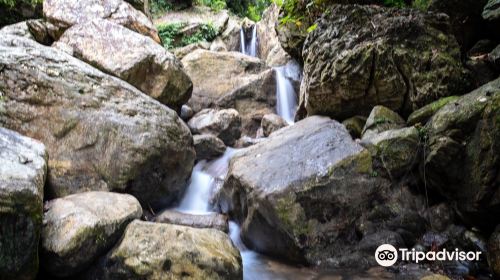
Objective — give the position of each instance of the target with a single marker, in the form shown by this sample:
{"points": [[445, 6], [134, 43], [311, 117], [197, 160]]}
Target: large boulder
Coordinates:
{"points": [[100, 132], [163, 251], [270, 49], [232, 80], [362, 56], [224, 124], [299, 193], [463, 154], [23, 168], [79, 228], [131, 57], [66, 13]]}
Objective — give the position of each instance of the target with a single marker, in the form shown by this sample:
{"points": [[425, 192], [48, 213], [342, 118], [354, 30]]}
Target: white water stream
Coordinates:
{"points": [[250, 48], [286, 99]]}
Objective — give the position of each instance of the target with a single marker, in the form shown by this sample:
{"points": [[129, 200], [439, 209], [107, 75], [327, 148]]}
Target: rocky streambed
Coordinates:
{"points": [[258, 153]]}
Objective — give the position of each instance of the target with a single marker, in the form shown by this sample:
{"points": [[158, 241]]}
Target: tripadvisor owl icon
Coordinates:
{"points": [[386, 255]]}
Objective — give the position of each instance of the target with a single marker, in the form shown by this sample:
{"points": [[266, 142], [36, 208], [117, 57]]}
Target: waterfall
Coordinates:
{"points": [[250, 49], [203, 180], [286, 100]]}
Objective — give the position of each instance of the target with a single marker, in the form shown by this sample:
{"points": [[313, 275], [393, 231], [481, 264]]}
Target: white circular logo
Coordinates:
{"points": [[386, 255]]}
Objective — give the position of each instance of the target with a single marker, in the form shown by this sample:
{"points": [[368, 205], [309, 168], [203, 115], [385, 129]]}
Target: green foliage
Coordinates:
{"points": [[395, 3], [421, 4], [172, 36], [12, 3], [215, 5], [168, 33], [206, 33], [158, 7], [252, 9]]}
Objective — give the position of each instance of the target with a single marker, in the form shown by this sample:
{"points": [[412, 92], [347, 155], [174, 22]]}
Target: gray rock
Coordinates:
{"points": [[79, 228], [208, 146], [66, 13], [224, 124], [23, 169], [272, 122], [134, 58], [297, 193], [100, 132], [162, 251], [380, 120], [462, 160], [213, 220], [362, 56]]}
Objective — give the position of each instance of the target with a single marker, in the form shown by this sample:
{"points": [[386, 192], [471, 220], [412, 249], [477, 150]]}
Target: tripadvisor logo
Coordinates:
{"points": [[387, 255]]}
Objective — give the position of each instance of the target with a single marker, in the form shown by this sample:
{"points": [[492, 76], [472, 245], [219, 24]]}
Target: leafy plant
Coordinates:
{"points": [[172, 36], [421, 4], [12, 3], [158, 7], [215, 5], [395, 3], [168, 33], [207, 33]]}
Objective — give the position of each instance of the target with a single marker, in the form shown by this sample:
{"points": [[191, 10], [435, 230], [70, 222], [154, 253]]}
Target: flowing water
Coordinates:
{"points": [[286, 98], [250, 48]]}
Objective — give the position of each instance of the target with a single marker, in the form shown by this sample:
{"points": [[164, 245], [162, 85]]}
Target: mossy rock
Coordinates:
{"points": [[463, 153], [423, 114]]}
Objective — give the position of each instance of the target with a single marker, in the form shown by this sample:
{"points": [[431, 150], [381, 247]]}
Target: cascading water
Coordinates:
{"points": [[204, 178], [286, 100], [251, 48]]}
